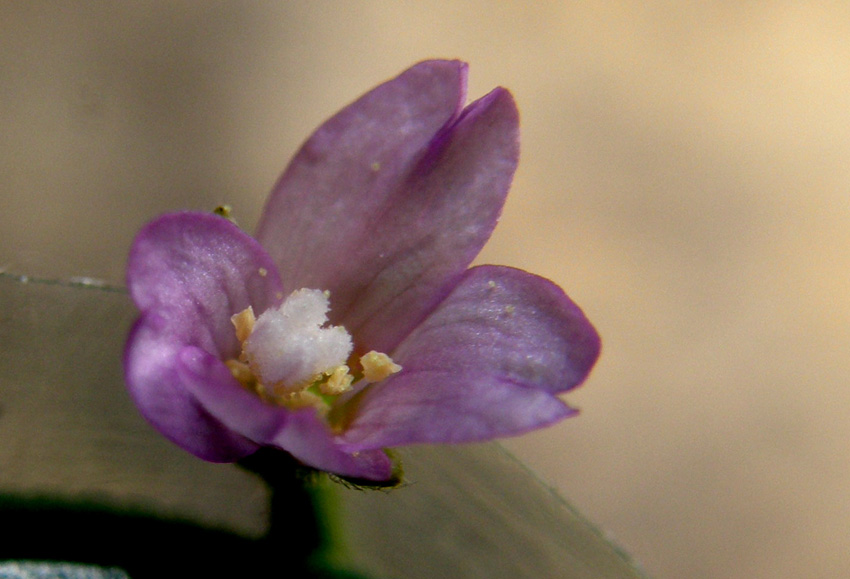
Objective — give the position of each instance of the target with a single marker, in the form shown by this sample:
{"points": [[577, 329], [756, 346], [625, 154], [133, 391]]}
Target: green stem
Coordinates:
{"points": [[303, 530], [294, 530]]}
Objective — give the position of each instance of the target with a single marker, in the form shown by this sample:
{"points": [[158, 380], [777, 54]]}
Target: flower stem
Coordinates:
{"points": [[296, 534]]}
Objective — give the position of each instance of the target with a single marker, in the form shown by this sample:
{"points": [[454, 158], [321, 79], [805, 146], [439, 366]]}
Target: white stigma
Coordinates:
{"points": [[292, 345]]}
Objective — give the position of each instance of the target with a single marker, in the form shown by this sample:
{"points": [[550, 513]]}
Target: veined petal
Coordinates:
{"points": [[333, 191], [301, 433], [391, 199], [201, 269], [217, 391], [488, 362], [159, 389], [309, 440], [188, 273], [445, 407], [508, 323]]}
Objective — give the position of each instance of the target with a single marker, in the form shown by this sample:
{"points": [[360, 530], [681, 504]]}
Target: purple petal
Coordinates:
{"points": [[158, 389], [391, 199], [221, 395], [201, 269], [188, 273], [488, 362], [300, 433], [308, 439]]}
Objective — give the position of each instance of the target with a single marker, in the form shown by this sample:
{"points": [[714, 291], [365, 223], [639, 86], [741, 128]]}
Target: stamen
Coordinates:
{"points": [[338, 381], [244, 323], [377, 366]]}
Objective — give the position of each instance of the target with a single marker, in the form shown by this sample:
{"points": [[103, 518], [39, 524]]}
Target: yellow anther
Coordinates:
{"points": [[377, 366], [244, 323], [338, 381]]}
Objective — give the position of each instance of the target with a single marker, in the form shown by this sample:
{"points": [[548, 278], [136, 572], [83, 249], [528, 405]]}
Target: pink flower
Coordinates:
{"points": [[371, 330]]}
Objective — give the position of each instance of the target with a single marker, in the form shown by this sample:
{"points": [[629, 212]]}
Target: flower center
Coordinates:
{"points": [[291, 356]]}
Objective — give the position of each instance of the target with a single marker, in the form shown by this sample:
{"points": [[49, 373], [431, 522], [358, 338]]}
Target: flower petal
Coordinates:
{"points": [[188, 273], [391, 199], [488, 362], [300, 433], [220, 394], [159, 391], [309, 440], [201, 269]]}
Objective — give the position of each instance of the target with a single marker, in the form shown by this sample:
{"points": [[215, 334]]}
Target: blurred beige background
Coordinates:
{"points": [[684, 177]]}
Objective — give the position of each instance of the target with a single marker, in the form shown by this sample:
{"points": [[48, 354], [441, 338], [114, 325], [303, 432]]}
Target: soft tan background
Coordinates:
{"points": [[684, 176]]}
